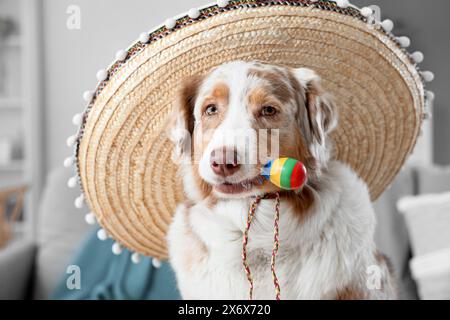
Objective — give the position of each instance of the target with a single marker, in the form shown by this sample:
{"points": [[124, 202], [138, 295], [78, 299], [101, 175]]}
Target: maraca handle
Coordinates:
{"points": [[285, 173]]}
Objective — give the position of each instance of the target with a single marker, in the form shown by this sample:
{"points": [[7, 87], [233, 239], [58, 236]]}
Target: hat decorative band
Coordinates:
{"points": [[123, 158]]}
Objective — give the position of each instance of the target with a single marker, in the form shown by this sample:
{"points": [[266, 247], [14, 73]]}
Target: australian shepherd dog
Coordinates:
{"points": [[326, 229]]}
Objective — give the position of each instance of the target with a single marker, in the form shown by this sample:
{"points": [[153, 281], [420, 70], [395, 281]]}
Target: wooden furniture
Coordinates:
{"points": [[7, 219]]}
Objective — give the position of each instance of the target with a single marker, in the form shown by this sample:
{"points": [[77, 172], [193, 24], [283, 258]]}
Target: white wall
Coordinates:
{"points": [[72, 57]]}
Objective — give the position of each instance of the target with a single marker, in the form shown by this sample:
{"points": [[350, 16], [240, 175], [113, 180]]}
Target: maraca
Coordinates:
{"points": [[285, 173]]}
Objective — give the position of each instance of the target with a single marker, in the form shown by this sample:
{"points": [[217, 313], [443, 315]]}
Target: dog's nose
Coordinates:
{"points": [[224, 162]]}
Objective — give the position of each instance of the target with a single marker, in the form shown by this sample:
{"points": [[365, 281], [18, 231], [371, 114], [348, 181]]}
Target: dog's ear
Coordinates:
{"points": [[321, 112], [180, 126]]}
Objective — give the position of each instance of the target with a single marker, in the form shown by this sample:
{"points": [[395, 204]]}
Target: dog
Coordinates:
{"points": [[326, 229]]}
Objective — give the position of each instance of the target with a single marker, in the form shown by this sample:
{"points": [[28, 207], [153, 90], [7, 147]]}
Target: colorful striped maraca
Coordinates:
{"points": [[286, 173]]}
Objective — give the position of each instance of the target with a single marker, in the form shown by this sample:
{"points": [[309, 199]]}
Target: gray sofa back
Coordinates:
{"points": [[61, 229]]}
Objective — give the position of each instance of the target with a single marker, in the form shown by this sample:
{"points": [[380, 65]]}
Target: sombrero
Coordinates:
{"points": [[123, 157]]}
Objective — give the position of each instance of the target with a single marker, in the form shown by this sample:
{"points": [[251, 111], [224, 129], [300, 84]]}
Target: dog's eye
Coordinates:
{"points": [[268, 111], [211, 109]]}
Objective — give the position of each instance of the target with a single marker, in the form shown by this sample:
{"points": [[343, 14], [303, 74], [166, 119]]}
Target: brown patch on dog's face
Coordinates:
{"points": [[218, 99], [183, 119], [295, 131], [203, 131], [284, 93], [277, 85]]}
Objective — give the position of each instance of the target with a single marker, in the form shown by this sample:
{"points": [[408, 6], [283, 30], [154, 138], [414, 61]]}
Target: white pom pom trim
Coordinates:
{"points": [[144, 37], [405, 42], [121, 55], [342, 3], [387, 25], [77, 119], [68, 162], [71, 140], [72, 182], [79, 202], [102, 235], [366, 12], [428, 76], [430, 95], [135, 258], [90, 218], [223, 3], [156, 263], [102, 74], [417, 57], [88, 95], [116, 249], [194, 13], [170, 23]]}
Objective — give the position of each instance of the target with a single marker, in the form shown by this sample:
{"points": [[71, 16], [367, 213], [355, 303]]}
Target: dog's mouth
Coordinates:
{"points": [[239, 187]]}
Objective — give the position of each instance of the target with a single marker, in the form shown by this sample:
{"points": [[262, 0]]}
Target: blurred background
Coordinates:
{"points": [[50, 51]]}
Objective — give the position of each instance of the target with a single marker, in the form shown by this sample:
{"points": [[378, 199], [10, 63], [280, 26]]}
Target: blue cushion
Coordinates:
{"points": [[104, 275]]}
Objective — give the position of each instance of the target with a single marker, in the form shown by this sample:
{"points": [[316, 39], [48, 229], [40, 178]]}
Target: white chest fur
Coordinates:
{"points": [[329, 249]]}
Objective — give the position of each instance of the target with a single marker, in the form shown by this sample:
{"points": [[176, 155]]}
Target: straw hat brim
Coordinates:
{"points": [[124, 157]]}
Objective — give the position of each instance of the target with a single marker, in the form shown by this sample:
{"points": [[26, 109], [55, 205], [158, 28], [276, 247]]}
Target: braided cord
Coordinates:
{"points": [[276, 241], [251, 214]]}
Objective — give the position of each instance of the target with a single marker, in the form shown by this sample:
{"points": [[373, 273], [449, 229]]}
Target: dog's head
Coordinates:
{"points": [[230, 122]]}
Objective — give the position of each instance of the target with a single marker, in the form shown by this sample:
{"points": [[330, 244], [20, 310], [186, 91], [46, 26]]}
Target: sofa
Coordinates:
{"points": [[33, 269]]}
